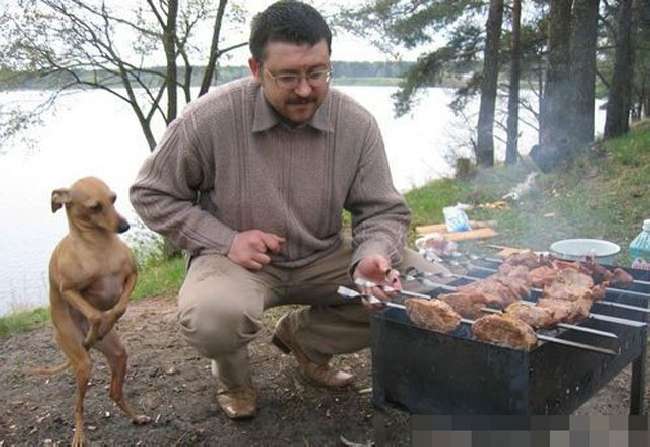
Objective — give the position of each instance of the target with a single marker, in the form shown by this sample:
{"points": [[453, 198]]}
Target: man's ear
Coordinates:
{"points": [[256, 68], [59, 198]]}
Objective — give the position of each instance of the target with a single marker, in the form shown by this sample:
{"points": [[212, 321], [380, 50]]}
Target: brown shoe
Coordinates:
{"points": [[237, 403], [322, 375]]}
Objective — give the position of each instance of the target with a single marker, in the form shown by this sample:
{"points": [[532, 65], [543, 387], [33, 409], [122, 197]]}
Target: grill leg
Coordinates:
{"points": [[379, 428], [637, 391]]}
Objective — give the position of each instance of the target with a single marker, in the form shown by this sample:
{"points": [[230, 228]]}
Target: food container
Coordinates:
{"points": [[577, 249]]}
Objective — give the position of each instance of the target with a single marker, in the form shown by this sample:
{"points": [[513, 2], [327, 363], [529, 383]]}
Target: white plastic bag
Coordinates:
{"points": [[456, 218]]}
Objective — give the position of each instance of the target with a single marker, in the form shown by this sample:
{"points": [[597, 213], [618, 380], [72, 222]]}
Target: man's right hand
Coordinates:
{"points": [[249, 248]]}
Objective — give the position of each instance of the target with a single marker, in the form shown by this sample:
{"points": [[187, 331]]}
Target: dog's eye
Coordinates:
{"points": [[113, 197], [96, 208]]}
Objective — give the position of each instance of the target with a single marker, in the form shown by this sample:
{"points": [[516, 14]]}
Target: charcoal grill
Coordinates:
{"points": [[425, 372]]}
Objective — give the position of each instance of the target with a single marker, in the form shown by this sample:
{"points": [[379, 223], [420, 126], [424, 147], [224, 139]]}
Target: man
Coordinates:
{"points": [[252, 180]]}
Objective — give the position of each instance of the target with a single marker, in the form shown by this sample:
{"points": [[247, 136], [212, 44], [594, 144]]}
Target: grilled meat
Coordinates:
{"points": [[534, 316], [520, 287], [571, 285], [563, 311], [505, 331], [467, 303], [433, 315], [621, 278], [542, 276], [516, 271], [526, 258], [497, 293]]}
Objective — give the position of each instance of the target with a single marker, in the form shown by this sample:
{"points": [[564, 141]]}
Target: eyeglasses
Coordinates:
{"points": [[291, 81]]}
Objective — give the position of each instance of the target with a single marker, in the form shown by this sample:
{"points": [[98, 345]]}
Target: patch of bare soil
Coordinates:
{"points": [[172, 384]]}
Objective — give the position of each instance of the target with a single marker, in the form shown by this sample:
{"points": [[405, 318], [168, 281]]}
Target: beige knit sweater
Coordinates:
{"points": [[229, 164]]}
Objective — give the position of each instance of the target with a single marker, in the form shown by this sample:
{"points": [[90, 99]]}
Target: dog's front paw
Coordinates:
{"points": [[141, 419]]}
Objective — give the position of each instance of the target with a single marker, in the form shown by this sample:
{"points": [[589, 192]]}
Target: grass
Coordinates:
{"points": [[23, 321], [604, 193], [163, 277]]}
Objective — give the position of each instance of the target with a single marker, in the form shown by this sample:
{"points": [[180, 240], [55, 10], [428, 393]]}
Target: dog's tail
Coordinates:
{"points": [[48, 371]]}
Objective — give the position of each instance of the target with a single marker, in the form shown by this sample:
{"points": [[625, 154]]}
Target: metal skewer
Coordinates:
{"points": [[536, 289], [593, 316], [500, 261], [611, 289], [365, 283], [562, 325], [354, 294]]}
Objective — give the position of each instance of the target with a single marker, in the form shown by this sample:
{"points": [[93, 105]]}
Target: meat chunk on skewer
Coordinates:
{"points": [[468, 303], [621, 278], [505, 331], [517, 271], [563, 311], [433, 315], [520, 287], [526, 258], [534, 316], [498, 294], [542, 276], [571, 285]]}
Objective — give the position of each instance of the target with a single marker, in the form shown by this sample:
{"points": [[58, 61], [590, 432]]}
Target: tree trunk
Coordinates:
{"points": [[643, 70], [485, 140], [169, 44], [214, 49], [513, 89], [620, 93], [583, 69], [556, 107]]}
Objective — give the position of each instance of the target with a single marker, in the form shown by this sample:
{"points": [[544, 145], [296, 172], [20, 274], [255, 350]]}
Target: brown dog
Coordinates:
{"points": [[92, 274]]}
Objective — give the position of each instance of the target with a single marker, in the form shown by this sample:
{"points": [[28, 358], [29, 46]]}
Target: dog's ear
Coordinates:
{"points": [[60, 197]]}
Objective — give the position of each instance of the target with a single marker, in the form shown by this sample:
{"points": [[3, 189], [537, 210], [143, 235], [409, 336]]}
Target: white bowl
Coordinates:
{"points": [[577, 249]]}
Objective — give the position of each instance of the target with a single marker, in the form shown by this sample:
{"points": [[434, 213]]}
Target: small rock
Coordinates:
{"points": [[92, 427], [171, 371], [107, 414]]}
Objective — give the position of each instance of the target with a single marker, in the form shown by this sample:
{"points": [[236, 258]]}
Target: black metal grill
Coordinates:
{"points": [[425, 372]]}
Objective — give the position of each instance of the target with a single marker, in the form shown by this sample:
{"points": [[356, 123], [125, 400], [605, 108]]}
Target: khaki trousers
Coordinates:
{"points": [[220, 307]]}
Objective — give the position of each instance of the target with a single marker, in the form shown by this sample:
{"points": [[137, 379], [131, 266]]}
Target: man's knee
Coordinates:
{"points": [[216, 325]]}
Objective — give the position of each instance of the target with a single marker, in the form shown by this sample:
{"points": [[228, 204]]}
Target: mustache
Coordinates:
{"points": [[300, 101]]}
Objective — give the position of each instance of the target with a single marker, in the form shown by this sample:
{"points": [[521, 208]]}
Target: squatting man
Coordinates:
{"points": [[251, 180]]}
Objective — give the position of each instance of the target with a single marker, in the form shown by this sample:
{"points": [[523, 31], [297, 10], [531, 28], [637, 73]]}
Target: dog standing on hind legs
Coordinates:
{"points": [[92, 274]]}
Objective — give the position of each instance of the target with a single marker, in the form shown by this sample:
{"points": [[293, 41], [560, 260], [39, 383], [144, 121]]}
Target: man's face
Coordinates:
{"points": [[284, 61]]}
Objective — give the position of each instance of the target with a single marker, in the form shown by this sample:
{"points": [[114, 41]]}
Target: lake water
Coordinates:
{"points": [[92, 133]]}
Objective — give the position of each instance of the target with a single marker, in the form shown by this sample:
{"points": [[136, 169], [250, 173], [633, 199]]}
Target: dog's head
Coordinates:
{"points": [[90, 205]]}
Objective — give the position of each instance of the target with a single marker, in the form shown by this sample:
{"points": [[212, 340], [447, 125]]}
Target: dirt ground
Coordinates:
{"points": [[168, 381]]}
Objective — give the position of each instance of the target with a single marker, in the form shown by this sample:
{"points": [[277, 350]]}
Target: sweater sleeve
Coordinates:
{"points": [[380, 216], [166, 191]]}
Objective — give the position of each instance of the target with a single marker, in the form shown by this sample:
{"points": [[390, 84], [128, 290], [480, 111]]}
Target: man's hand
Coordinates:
{"points": [[249, 248], [377, 269]]}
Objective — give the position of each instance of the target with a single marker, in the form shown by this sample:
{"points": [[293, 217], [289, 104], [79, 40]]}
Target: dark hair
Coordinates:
{"points": [[287, 21]]}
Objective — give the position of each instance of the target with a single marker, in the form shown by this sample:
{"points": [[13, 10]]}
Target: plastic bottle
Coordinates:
{"points": [[640, 247]]}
